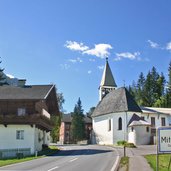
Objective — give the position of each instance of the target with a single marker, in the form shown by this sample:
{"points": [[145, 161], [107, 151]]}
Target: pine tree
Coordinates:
{"points": [[2, 78], [77, 124], [168, 90]]}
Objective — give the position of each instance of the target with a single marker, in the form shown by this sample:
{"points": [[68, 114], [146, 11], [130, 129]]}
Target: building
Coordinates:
{"points": [[118, 117], [65, 129], [25, 113]]}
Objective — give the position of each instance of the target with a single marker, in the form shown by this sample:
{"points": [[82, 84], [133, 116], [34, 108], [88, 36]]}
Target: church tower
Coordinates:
{"points": [[107, 83]]}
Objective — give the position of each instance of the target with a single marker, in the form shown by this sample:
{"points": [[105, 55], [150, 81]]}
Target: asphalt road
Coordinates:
{"points": [[72, 158]]}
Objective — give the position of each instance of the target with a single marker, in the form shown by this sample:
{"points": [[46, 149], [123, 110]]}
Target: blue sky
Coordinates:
{"points": [[65, 42]]}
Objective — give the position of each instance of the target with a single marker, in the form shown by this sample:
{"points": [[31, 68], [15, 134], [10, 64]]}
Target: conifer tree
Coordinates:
{"points": [[168, 90], [77, 124]]}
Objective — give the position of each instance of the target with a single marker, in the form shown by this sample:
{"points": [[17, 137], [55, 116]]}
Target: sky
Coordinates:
{"points": [[65, 42]]}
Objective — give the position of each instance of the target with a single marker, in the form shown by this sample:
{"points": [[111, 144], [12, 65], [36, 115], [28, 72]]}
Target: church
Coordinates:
{"points": [[118, 117]]}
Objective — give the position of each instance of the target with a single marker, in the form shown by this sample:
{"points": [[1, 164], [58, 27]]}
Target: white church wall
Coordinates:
{"points": [[101, 129]]}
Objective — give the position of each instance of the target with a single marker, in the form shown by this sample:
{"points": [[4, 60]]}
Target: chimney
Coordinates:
{"points": [[21, 82]]}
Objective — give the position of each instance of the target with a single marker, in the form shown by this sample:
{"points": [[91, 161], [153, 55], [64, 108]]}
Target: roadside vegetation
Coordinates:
{"points": [[124, 164], [163, 161], [126, 144], [45, 152]]}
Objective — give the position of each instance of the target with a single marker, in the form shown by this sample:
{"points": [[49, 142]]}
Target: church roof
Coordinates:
{"points": [[118, 100], [107, 78]]}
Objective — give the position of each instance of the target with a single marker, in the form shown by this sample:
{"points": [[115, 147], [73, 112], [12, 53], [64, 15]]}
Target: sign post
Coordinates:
{"points": [[163, 142]]}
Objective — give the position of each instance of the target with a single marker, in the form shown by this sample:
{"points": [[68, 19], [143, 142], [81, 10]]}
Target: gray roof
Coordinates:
{"points": [[68, 118], [32, 92], [107, 78], [137, 121], [118, 100]]}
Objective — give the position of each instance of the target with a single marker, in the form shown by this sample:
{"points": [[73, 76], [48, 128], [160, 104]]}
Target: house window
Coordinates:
{"points": [[143, 118], [20, 134], [120, 124], [21, 111], [132, 129], [147, 129], [153, 121], [109, 125], [163, 122]]}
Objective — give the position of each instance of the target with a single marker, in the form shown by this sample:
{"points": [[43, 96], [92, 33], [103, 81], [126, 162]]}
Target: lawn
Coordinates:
{"points": [[49, 151], [163, 161]]}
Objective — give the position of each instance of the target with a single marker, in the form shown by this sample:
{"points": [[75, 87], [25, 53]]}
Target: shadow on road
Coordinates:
{"points": [[80, 152]]}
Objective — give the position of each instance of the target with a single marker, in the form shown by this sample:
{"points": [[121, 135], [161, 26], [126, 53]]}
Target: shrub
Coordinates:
{"points": [[123, 142]]}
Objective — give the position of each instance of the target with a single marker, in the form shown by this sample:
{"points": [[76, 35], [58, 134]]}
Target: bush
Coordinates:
{"points": [[44, 146], [126, 144], [122, 143]]}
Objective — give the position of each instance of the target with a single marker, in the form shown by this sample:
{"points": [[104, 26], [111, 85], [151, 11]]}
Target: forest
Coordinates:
{"points": [[153, 89]]}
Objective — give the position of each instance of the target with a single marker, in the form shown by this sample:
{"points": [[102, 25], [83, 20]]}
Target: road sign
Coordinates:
{"points": [[164, 140]]}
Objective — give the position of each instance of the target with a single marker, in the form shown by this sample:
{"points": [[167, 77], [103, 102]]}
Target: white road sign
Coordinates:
{"points": [[164, 140]]}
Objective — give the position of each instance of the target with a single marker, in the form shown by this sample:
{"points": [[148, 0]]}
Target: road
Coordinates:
{"points": [[72, 158]]}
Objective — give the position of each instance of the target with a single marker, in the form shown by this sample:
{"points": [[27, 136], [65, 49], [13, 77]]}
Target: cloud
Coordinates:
{"points": [[89, 72], [153, 44], [100, 50], [128, 55], [75, 46], [75, 60], [101, 67], [168, 46], [65, 66]]}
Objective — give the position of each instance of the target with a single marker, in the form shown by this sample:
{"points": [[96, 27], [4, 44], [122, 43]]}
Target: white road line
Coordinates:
{"points": [[114, 168], [73, 159], [53, 168]]}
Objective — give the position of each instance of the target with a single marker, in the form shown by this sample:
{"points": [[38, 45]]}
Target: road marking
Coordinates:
{"points": [[116, 162], [73, 159], [53, 168]]}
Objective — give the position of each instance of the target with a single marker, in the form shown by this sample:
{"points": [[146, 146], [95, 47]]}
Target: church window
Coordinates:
{"points": [[109, 125], [147, 129], [120, 124]]}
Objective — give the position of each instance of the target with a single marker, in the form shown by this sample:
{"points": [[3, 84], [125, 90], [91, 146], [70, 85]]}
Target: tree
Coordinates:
{"points": [[2, 79], [90, 112], [77, 124], [57, 119], [168, 90]]}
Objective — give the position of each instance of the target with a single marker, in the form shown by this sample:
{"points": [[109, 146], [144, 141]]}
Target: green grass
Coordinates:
{"points": [[49, 151], [124, 163], [163, 161]]}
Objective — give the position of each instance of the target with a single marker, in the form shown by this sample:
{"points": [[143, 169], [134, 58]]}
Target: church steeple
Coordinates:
{"points": [[107, 83]]}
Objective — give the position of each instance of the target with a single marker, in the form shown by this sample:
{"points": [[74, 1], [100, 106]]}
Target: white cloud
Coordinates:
{"points": [[89, 72], [168, 46], [65, 66], [75, 46], [128, 55], [101, 67], [100, 50], [75, 60], [153, 44]]}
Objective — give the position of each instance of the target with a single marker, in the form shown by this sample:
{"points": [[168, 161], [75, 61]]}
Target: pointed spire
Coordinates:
{"points": [[107, 78]]}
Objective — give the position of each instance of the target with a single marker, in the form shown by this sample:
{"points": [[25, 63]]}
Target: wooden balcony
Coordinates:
{"points": [[41, 121]]}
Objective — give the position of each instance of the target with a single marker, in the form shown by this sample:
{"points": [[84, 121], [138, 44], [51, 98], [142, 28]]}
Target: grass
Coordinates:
{"points": [[46, 152], [124, 163], [163, 161]]}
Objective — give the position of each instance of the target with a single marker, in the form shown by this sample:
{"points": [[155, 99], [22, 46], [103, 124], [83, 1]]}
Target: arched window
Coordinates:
{"points": [[120, 123]]}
